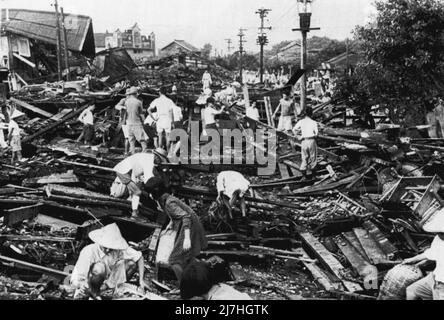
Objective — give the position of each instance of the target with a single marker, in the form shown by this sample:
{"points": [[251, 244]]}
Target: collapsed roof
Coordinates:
{"points": [[41, 26]]}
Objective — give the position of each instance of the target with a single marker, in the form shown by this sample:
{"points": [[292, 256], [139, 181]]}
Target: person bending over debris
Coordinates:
{"points": [[185, 229], [165, 116], [87, 119], [205, 279], [432, 286], [134, 174], [231, 188], [209, 114], [309, 132], [14, 140], [106, 264], [134, 119]]}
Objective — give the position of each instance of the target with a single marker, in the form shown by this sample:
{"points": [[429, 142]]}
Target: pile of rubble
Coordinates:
{"points": [[362, 214]]}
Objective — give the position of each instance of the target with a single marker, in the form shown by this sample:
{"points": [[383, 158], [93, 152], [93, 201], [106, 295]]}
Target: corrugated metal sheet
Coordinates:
{"points": [[41, 25]]}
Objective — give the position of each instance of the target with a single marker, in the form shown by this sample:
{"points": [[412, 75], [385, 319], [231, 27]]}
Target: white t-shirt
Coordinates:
{"points": [[165, 107], [230, 181], [436, 253], [13, 128], [209, 115], [141, 165], [308, 127]]}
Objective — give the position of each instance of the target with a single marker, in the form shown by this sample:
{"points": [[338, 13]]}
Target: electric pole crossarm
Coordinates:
{"points": [[262, 39]]}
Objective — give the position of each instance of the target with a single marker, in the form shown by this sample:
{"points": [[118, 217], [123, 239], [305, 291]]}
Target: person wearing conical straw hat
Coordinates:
{"points": [[432, 286], [106, 264]]}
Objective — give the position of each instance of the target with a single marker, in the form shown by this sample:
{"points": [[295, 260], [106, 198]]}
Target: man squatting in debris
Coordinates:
{"points": [[134, 120], [165, 117], [106, 264], [87, 119], [309, 132], [136, 173], [231, 189], [188, 232], [432, 286]]}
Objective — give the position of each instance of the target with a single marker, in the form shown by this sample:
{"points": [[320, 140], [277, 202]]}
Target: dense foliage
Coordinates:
{"points": [[404, 59]]}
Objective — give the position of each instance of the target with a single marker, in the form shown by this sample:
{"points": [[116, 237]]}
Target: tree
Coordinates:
{"points": [[404, 59], [206, 50]]}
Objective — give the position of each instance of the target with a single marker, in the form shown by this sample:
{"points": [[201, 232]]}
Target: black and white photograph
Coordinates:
{"points": [[251, 151]]}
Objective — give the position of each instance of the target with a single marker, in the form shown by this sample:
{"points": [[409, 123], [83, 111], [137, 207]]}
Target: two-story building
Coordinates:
{"points": [[138, 46]]}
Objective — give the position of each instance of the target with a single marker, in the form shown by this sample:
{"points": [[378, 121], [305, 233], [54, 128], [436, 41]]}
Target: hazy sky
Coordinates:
{"points": [[212, 21]]}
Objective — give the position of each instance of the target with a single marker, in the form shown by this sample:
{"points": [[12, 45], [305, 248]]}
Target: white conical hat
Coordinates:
{"points": [[436, 223], [109, 237]]}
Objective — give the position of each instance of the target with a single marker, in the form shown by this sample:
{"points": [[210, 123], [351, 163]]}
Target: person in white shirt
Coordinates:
{"points": [[231, 188], [252, 114], [106, 264], [14, 141], [165, 116], [432, 286], [210, 114], [3, 144], [206, 80], [286, 106], [87, 118], [309, 132]]}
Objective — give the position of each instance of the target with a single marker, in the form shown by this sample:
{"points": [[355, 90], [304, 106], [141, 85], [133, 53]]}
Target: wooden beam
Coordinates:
{"points": [[16, 216], [386, 246], [34, 267], [31, 108], [370, 246], [357, 261], [318, 274], [328, 260]]}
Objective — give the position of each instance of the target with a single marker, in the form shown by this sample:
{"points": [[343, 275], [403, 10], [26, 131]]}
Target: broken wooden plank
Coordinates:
{"points": [[387, 247], [34, 267], [357, 261], [318, 274], [284, 171], [353, 239], [328, 260], [11, 237], [16, 216], [55, 125], [61, 178], [370, 246], [30, 107], [154, 242]]}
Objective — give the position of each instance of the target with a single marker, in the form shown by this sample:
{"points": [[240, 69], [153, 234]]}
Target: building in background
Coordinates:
{"points": [[137, 45], [178, 47]]}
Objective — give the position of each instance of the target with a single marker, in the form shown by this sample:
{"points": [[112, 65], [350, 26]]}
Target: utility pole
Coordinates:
{"points": [[229, 47], [262, 39], [241, 36], [59, 45], [304, 7], [65, 43]]}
